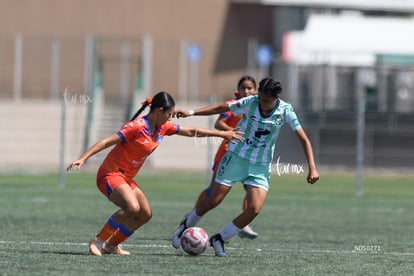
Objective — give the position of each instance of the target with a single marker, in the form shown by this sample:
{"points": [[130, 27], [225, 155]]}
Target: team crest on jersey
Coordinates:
{"points": [[279, 120]]}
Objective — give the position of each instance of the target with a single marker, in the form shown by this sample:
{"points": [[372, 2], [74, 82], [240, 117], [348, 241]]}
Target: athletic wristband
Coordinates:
{"points": [[191, 113]]}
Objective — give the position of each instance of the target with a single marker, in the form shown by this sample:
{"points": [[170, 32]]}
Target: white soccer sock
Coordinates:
{"points": [[229, 231], [192, 219]]}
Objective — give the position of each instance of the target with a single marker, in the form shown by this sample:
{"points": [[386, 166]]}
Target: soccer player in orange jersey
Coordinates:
{"points": [[246, 86], [134, 142]]}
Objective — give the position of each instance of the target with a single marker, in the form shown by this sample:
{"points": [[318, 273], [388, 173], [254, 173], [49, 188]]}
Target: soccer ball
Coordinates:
{"points": [[194, 241]]}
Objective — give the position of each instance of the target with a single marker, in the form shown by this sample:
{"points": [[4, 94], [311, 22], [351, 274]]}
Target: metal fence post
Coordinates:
{"points": [[18, 68]]}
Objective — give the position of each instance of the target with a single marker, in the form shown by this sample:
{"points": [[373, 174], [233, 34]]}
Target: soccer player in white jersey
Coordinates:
{"points": [[248, 161]]}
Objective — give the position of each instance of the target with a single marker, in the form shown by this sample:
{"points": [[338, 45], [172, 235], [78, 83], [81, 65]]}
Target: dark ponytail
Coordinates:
{"points": [[161, 99]]}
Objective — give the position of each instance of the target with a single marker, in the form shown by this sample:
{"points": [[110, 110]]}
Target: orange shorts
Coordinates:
{"points": [[107, 182]]}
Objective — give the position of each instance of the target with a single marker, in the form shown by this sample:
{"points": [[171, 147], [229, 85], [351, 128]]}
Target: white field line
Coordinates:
{"points": [[303, 251]]}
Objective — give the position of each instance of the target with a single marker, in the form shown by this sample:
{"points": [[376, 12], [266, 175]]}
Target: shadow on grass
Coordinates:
{"points": [[64, 253]]}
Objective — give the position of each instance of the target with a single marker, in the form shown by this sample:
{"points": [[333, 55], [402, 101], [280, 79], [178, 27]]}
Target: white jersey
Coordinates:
{"points": [[260, 133]]}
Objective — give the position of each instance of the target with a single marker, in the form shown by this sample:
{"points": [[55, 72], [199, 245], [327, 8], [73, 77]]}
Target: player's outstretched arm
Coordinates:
{"points": [[229, 135], [221, 123], [207, 110], [99, 146], [313, 174]]}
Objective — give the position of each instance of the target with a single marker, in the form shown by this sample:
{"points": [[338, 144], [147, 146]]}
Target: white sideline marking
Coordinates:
{"points": [[305, 251]]}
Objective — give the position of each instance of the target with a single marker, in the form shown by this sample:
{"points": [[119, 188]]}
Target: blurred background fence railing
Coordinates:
{"points": [[102, 81]]}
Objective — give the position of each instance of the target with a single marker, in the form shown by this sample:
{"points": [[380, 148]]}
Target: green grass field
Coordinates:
{"points": [[303, 230]]}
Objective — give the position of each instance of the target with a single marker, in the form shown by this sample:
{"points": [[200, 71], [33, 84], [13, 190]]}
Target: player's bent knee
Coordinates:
{"points": [[146, 215], [132, 209]]}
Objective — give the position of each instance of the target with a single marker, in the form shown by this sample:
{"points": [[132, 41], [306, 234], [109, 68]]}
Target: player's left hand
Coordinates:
{"points": [[313, 176]]}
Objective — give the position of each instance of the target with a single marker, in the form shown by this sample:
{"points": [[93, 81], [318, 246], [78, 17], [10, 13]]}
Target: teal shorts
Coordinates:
{"points": [[234, 169]]}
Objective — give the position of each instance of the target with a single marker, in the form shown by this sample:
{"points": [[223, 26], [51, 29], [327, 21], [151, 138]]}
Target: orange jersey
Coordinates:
{"points": [[137, 144], [232, 122]]}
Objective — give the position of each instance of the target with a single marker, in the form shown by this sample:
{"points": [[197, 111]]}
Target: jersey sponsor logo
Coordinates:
{"points": [[257, 140], [260, 133]]}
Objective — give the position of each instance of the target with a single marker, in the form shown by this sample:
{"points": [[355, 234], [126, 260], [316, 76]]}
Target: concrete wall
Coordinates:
{"points": [[31, 132], [220, 27]]}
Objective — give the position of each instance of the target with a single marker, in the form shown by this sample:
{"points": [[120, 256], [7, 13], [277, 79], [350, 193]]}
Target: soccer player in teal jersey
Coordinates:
{"points": [[248, 161]]}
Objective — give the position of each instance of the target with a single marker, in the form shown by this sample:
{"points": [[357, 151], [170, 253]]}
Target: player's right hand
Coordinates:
{"points": [[232, 135], [179, 113]]}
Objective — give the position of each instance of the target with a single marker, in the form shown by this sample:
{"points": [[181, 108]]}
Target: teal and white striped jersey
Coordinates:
{"points": [[260, 133]]}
